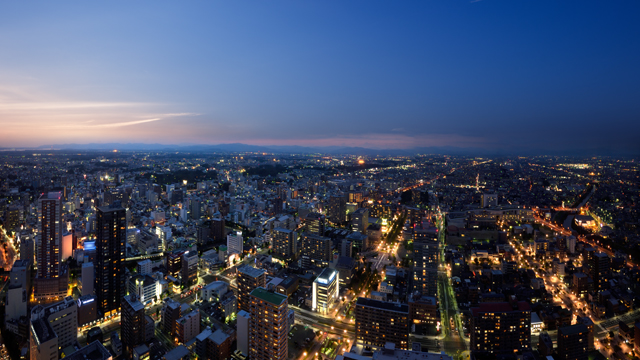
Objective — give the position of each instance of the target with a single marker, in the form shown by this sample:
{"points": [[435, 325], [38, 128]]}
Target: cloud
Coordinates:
{"points": [[397, 129], [128, 123]]}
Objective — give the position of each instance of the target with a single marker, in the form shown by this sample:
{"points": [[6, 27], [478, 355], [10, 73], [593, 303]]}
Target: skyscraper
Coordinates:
{"points": [[111, 236], [268, 325], [315, 249], [50, 229], [325, 291], [573, 342], [284, 243], [502, 327], [315, 223], [249, 278], [600, 267], [379, 322], [133, 323], [425, 255]]}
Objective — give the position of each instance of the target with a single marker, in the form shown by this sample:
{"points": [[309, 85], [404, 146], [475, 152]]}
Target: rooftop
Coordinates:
{"points": [[93, 351], [177, 353], [268, 296], [573, 329], [218, 337], [389, 306], [251, 271], [501, 307]]}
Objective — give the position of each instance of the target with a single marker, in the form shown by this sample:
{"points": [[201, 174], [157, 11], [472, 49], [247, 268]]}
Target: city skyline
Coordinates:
{"points": [[507, 77]]}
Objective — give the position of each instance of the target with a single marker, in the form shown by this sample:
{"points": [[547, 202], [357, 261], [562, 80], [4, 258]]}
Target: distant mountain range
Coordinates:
{"points": [[331, 150]]}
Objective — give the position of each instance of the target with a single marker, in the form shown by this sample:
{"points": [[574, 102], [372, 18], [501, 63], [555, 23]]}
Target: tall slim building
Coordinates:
{"points": [[249, 278], [573, 342], [325, 291], [111, 237], [190, 267], [268, 325], [316, 249], [284, 243], [600, 268], [501, 327], [379, 322], [425, 257], [314, 223], [133, 330], [50, 231], [360, 220], [235, 243]]}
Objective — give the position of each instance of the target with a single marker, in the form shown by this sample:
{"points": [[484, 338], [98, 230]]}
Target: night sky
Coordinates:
{"points": [[508, 75]]}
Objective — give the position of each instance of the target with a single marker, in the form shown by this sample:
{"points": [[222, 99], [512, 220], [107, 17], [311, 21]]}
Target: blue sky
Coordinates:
{"points": [[511, 75]]}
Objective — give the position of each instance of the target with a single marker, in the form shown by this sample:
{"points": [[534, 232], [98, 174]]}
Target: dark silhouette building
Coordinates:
{"points": [[111, 237]]}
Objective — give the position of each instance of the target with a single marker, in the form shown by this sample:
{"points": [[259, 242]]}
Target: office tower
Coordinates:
{"points": [[12, 218], [146, 288], [315, 249], [195, 209], [43, 342], [346, 248], [243, 332], [315, 223], [62, 318], [586, 321], [573, 342], [133, 329], [425, 255], [189, 267], [20, 274], [284, 243], [346, 268], [359, 242], [423, 311], [501, 327], [248, 279], [16, 302], [336, 208], [173, 263], [27, 249], [188, 327], [360, 220], [50, 232], [489, 200], [588, 254], [218, 232], [268, 325], [144, 267], [87, 309], [234, 243], [600, 267], [171, 312], [88, 278], [379, 322], [111, 237], [325, 291]]}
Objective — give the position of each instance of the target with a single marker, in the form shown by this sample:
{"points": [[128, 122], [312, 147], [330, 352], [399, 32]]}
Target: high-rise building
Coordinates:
{"points": [[586, 321], [173, 263], [133, 329], [268, 325], [425, 257], [88, 278], [360, 220], [111, 237], [379, 322], [489, 200], [325, 291], [188, 327], [62, 318], [248, 279], [171, 312], [600, 268], [218, 232], [285, 243], [235, 243], [573, 342], [243, 332], [315, 223], [190, 267], [423, 311], [501, 327], [50, 231], [315, 249], [336, 208]]}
